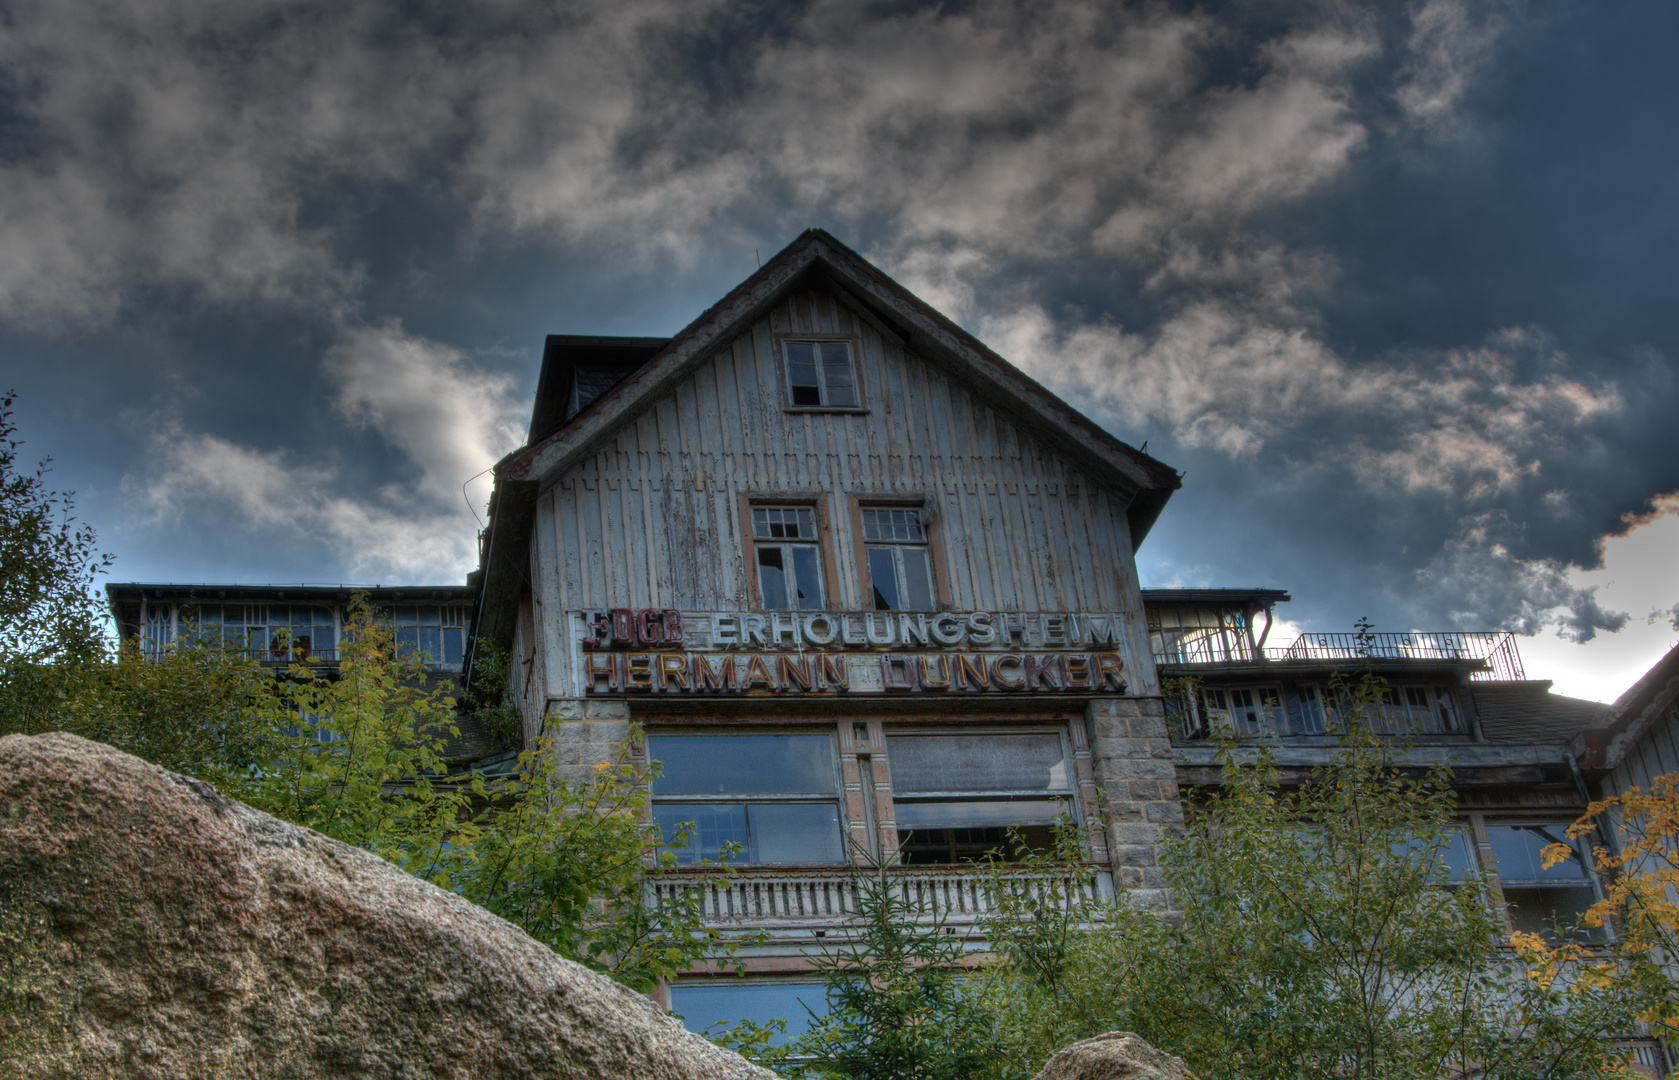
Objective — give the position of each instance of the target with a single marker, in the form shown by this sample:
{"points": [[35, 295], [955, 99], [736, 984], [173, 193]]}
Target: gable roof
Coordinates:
{"points": [[1634, 715], [816, 258], [576, 370], [560, 439]]}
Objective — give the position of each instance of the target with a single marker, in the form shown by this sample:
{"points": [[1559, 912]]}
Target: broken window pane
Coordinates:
{"points": [[772, 578], [802, 377], [821, 374], [789, 575], [1541, 900]]}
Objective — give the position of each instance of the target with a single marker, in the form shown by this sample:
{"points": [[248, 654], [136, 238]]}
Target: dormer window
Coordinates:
{"points": [[822, 375]]}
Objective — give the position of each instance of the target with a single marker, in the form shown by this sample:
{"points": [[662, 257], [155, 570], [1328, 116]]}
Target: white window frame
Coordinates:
{"points": [[826, 391], [786, 546], [896, 547], [451, 617], [1245, 712]]}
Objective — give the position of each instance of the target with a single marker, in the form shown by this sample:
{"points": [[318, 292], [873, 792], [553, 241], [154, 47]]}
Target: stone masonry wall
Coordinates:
{"points": [[1132, 755], [585, 733]]}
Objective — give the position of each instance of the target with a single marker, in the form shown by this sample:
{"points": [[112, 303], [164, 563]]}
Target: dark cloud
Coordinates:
{"points": [[1389, 281]]}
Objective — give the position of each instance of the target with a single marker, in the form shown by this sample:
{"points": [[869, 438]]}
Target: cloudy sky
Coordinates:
{"points": [[1393, 283]]}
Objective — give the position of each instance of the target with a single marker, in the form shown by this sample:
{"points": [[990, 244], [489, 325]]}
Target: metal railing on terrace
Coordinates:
{"points": [[1497, 648]]}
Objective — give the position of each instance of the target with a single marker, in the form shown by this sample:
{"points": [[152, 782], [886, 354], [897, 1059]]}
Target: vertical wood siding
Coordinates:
{"points": [[1652, 756], [653, 518]]}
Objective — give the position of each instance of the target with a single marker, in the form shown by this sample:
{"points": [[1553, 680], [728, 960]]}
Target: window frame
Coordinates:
{"points": [[256, 631], [824, 544], [1071, 796], [835, 797], [796, 1024], [853, 342], [1499, 884], [1270, 704], [1393, 714], [927, 507], [451, 618]]}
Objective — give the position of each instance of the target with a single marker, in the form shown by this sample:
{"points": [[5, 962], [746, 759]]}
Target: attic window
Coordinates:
{"points": [[821, 375], [588, 384]]}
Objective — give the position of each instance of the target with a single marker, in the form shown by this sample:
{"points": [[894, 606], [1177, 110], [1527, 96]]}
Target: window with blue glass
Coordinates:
{"points": [[768, 799], [301, 632], [266, 631], [1542, 900], [437, 633], [720, 1002]]}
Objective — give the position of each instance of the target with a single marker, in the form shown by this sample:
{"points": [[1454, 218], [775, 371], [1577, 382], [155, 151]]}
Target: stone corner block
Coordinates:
{"points": [[566, 708]]}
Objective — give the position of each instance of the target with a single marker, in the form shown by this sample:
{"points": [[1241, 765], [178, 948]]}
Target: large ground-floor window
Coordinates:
{"points": [[703, 1003], [962, 797], [767, 799], [776, 798]]}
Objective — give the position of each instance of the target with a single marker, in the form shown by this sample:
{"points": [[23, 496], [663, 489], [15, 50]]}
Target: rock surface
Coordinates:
{"points": [[152, 927], [1118, 1055]]}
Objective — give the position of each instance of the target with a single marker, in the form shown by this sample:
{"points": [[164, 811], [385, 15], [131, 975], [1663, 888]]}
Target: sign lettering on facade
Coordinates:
{"points": [[665, 651]]}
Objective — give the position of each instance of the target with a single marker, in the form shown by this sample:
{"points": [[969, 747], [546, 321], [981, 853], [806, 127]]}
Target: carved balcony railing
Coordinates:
{"points": [[797, 900]]}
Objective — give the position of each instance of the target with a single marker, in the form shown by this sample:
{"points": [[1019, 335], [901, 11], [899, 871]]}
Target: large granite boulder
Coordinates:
{"points": [[1118, 1055], [152, 927]]}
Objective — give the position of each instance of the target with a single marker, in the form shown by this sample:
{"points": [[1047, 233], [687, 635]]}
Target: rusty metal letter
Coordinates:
{"points": [[972, 671], [1041, 672], [623, 628], [897, 673], [673, 667], [597, 666], [1007, 682], [707, 677]]}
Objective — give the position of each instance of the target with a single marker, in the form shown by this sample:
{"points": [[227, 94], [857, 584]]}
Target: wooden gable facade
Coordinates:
{"points": [[658, 516], [821, 531]]}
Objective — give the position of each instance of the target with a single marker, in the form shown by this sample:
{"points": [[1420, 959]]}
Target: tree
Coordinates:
{"points": [[897, 1007], [898, 1004], [568, 862], [48, 562], [188, 708], [1316, 932], [355, 751], [1641, 904]]}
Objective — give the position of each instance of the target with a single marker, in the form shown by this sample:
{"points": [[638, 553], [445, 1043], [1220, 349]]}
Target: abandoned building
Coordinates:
{"points": [[872, 594]]}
